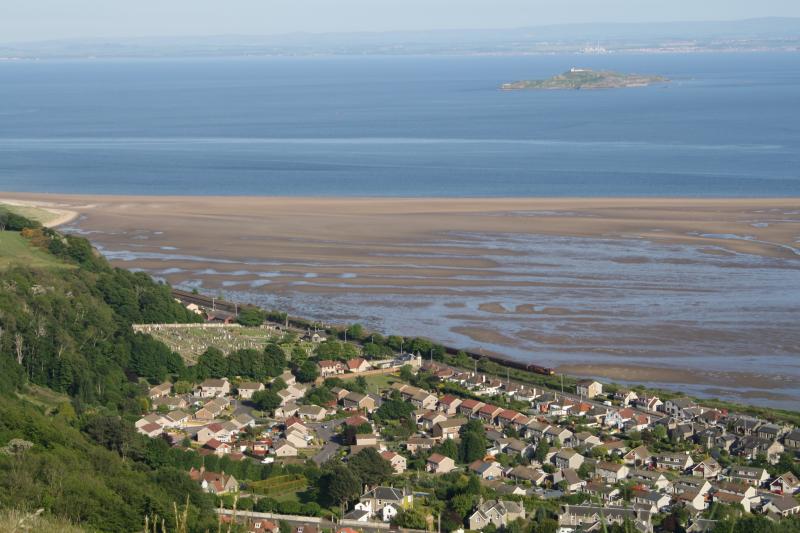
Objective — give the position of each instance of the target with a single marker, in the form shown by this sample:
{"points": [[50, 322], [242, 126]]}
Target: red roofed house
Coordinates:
{"points": [[330, 368], [397, 461], [358, 364], [489, 413], [217, 447], [212, 482], [470, 407], [448, 404], [439, 464]]}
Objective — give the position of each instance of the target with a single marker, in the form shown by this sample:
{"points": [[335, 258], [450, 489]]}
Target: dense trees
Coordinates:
{"points": [[370, 467], [307, 372], [251, 316], [338, 485], [266, 400]]}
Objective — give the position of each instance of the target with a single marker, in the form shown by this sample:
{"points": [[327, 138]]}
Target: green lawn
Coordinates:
{"points": [[15, 249]]}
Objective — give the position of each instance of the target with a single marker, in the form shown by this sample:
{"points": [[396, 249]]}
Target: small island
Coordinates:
{"points": [[584, 78]]}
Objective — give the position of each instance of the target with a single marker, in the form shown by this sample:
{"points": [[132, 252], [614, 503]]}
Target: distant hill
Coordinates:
{"points": [[581, 78], [750, 34]]}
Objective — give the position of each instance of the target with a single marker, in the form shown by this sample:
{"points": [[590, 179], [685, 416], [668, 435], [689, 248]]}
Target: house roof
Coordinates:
{"points": [[437, 458], [385, 493]]}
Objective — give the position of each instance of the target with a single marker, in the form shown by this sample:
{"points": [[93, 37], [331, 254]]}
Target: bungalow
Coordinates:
{"points": [[449, 428], [611, 472], [356, 420], [177, 419], [588, 388], [397, 461], [528, 473], [248, 388], [243, 420], [283, 448], [692, 498], [422, 399], [786, 483], [439, 464], [288, 410], [329, 368], [339, 393], [214, 387], [296, 438], [673, 461], [415, 444], [170, 403], [568, 458], [448, 404], [730, 498], [486, 469], [357, 401], [366, 439], [783, 505], [160, 391], [500, 513], [358, 364], [152, 418], [150, 430], [213, 482], [288, 378], [312, 412], [751, 475]]}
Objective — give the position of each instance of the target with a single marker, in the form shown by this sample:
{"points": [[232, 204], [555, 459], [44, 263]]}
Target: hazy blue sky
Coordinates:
{"points": [[52, 19]]}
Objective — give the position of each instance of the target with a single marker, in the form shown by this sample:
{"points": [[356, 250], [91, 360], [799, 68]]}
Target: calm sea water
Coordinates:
{"points": [[728, 125]]}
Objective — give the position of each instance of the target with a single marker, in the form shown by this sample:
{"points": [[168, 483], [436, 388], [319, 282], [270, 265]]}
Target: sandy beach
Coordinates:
{"points": [[621, 288]]}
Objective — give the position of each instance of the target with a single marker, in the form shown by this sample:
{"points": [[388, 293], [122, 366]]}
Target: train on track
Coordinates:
{"points": [[222, 305]]}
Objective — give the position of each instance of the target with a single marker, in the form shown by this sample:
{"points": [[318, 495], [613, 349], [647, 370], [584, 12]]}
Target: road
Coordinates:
{"points": [[326, 432]]}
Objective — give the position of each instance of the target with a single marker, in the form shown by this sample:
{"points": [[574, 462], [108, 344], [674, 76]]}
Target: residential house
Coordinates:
{"points": [[655, 501], [751, 447], [568, 458], [486, 469], [588, 388], [708, 468], [488, 413], [328, 368], [358, 365], [651, 478], [732, 498], [213, 431], [556, 434], [213, 482], [374, 501], [596, 518], [605, 493], [170, 403], [160, 391], [792, 440], [625, 397], [751, 475], [507, 417], [448, 429], [243, 420], [152, 418], [784, 505], [676, 406], [214, 387], [611, 472], [469, 407], [439, 464], [177, 419], [448, 404], [312, 412], [673, 461], [527, 473], [150, 430], [497, 512], [651, 404], [283, 448], [218, 448], [786, 483], [357, 401], [422, 399], [569, 480], [584, 438], [415, 444], [397, 461], [248, 388], [638, 456], [431, 418]]}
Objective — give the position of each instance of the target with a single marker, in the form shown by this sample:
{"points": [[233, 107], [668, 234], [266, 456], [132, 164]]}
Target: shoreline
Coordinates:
{"points": [[622, 283]]}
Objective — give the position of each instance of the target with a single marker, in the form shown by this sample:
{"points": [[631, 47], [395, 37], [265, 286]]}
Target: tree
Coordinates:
{"points": [[448, 448], [266, 400], [406, 373], [542, 449], [251, 316], [472, 447], [370, 467], [410, 518], [356, 332], [274, 360], [339, 485], [659, 432], [212, 364], [307, 372]]}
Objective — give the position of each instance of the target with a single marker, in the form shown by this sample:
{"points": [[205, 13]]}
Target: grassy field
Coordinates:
{"points": [[34, 213], [15, 249], [46, 398]]}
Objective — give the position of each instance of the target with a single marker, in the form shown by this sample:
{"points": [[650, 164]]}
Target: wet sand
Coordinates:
{"points": [[611, 286]]}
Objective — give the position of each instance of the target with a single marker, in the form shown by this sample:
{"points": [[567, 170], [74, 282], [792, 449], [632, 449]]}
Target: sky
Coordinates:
{"points": [[33, 20]]}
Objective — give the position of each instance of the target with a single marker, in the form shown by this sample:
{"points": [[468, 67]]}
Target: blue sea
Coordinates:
{"points": [[728, 125]]}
